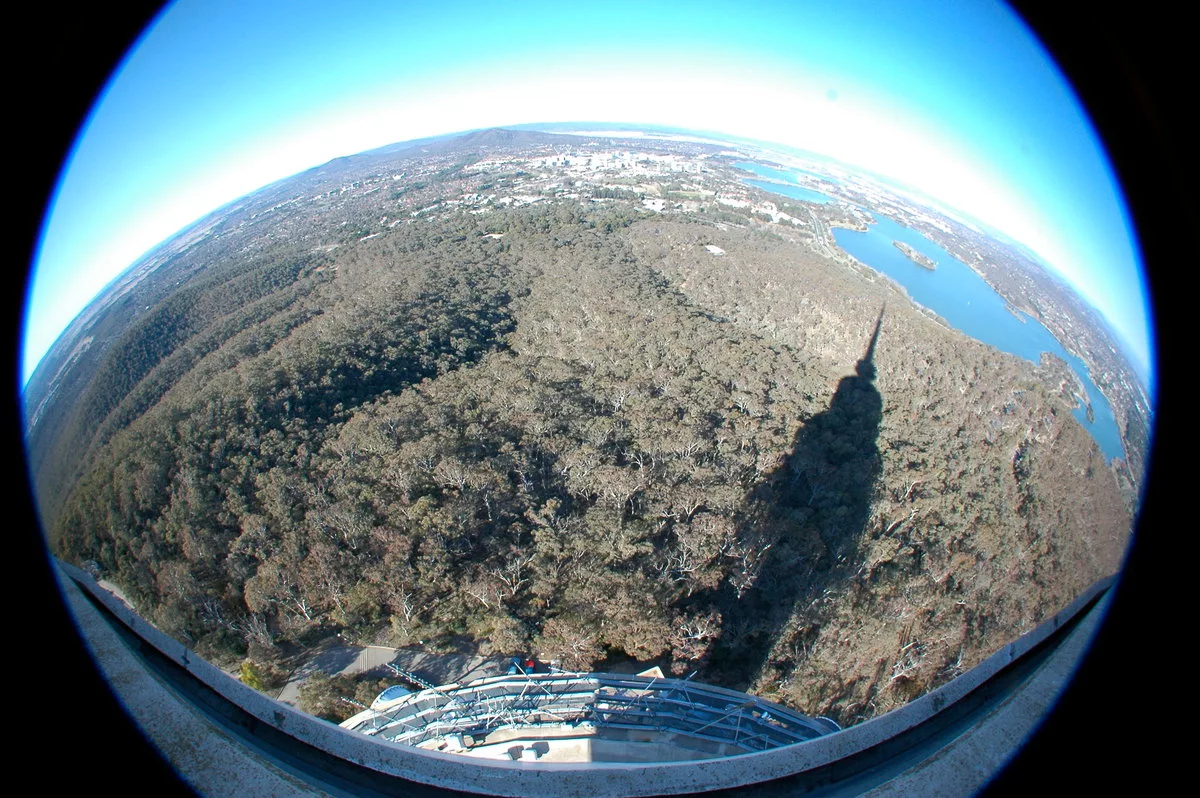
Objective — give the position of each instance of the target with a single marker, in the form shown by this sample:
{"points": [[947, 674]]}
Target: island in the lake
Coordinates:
{"points": [[924, 261]]}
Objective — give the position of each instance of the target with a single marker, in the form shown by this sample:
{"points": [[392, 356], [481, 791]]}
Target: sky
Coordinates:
{"points": [[952, 97]]}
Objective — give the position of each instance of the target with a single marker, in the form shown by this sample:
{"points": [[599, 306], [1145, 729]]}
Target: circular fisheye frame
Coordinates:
{"points": [[744, 398]]}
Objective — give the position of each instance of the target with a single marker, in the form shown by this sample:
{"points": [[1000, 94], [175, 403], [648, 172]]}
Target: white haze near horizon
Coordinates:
{"points": [[845, 126]]}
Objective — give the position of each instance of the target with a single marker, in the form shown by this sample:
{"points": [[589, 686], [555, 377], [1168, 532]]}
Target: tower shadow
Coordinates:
{"points": [[803, 527]]}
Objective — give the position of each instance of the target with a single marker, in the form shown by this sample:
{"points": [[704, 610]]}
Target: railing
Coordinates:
{"points": [[848, 760], [597, 700]]}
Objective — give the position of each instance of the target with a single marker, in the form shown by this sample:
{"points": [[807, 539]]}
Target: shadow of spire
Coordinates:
{"points": [[866, 366], [804, 525]]}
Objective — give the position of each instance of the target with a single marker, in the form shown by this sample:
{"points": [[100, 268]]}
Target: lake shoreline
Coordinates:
{"points": [[953, 287]]}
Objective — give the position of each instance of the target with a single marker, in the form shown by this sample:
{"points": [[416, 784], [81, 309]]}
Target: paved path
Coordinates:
{"points": [[337, 659], [116, 591]]}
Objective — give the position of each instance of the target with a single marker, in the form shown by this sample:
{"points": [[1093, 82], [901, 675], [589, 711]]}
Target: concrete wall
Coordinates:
{"points": [[610, 779]]}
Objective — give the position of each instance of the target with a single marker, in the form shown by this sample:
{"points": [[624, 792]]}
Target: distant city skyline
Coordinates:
{"points": [[956, 100]]}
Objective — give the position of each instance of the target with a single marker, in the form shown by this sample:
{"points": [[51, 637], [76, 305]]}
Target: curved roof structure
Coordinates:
{"points": [[587, 717], [224, 737]]}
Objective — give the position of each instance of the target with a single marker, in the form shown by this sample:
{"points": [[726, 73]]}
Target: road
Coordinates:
{"points": [[336, 659]]}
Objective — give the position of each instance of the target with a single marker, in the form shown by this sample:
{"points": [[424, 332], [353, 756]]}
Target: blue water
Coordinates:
{"points": [[795, 192], [776, 174], [962, 298]]}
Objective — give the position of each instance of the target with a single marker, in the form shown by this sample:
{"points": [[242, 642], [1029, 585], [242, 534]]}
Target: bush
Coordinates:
{"points": [[322, 695], [266, 677]]}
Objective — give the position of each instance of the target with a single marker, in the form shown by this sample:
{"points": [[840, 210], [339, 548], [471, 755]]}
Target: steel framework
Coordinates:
{"points": [[540, 703]]}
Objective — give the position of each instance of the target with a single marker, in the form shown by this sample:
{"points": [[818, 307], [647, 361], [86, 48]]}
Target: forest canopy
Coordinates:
{"points": [[572, 427]]}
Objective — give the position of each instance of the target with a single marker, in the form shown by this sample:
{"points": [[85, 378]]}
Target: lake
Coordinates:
{"points": [[962, 298], [777, 174], [794, 192]]}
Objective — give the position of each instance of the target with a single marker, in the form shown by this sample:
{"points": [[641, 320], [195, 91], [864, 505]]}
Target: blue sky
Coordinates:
{"points": [[953, 98]]}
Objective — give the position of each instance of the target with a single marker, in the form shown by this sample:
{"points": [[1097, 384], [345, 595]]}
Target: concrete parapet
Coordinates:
{"points": [[1008, 694]]}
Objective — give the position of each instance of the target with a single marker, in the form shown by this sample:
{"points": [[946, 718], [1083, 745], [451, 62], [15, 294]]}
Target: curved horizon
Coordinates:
{"points": [[957, 101]]}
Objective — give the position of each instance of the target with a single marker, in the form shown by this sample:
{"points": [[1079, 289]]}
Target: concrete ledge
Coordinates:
{"points": [[894, 737], [967, 762]]}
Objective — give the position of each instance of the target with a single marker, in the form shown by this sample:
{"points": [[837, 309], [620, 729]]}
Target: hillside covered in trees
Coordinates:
{"points": [[515, 392]]}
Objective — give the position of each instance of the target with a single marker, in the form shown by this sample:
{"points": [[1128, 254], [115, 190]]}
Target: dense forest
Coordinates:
{"points": [[579, 428]]}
